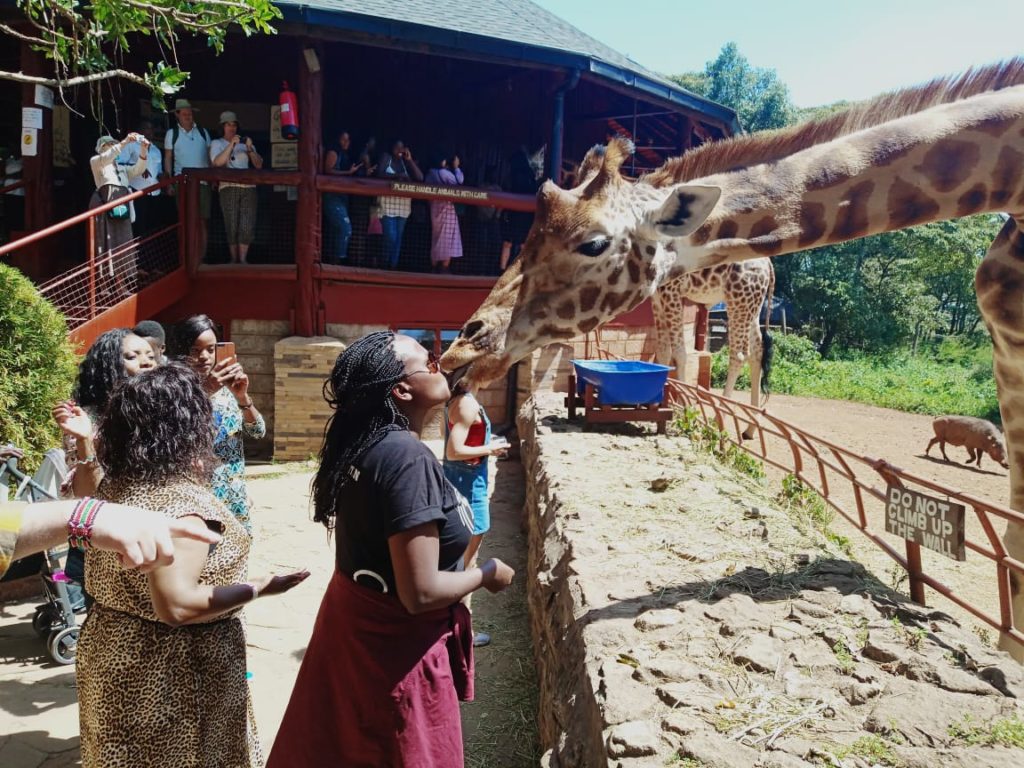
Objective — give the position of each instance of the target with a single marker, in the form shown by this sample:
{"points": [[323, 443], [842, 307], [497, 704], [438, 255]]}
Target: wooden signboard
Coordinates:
{"points": [[935, 524]]}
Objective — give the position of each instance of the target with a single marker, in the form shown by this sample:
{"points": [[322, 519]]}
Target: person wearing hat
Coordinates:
{"points": [[237, 201], [187, 145], [114, 228]]}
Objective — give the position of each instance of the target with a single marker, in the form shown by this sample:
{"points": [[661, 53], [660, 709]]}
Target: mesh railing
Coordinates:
{"points": [[849, 483], [117, 274], [111, 273], [411, 227]]}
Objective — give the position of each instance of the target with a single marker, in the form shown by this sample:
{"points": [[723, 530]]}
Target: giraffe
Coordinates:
{"points": [[950, 148], [744, 286]]}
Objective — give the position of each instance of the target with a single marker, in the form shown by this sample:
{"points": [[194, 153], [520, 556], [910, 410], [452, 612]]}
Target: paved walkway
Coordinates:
{"points": [[38, 704]]}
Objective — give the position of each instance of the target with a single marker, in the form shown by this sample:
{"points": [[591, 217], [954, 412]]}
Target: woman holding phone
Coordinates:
{"points": [[234, 413]]}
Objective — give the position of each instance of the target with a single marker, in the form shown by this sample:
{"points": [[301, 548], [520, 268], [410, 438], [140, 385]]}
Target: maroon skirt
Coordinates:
{"points": [[378, 687]]}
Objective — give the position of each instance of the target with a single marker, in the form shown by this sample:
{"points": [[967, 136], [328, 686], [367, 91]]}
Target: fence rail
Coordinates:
{"points": [[825, 467]]}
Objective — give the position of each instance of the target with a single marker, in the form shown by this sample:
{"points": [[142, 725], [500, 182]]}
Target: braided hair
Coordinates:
{"points": [[359, 392], [101, 369]]}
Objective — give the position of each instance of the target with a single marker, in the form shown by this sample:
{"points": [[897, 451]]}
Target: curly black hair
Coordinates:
{"points": [[158, 426], [101, 369], [183, 335], [359, 391]]}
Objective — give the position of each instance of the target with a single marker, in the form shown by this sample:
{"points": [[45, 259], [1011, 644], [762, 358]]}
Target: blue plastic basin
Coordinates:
{"points": [[622, 382]]}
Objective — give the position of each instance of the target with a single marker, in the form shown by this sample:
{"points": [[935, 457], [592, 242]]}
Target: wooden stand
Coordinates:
{"points": [[595, 413]]}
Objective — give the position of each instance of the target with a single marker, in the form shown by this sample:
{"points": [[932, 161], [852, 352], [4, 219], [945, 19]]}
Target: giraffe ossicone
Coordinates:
{"points": [[951, 148]]}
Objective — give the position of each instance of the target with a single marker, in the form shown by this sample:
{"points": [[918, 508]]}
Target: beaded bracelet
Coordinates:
{"points": [[81, 521]]}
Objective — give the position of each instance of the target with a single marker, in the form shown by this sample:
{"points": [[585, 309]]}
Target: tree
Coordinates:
{"points": [[37, 366], [759, 97], [86, 41]]}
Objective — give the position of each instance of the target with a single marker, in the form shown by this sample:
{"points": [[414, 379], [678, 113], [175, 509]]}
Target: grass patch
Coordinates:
{"points": [[952, 378], [808, 508], [873, 749], [709, 439], [1003, 731]]}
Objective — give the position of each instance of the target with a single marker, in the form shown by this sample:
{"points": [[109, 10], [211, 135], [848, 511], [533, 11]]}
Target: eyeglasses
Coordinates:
{"points": [[433, 366]]}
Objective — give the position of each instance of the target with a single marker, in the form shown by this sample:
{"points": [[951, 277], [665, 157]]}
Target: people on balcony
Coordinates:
{"points": [[338, 161], [237, 200], [187, 145], [524, 176], [147, 209], [394, 211], [446, 238], [113, 229]]}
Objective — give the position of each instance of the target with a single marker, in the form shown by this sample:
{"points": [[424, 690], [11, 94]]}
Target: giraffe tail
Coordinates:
{"points": [[767, 343]]}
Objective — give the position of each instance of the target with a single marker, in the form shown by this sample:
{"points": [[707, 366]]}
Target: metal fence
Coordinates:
{"points": [[830, 469], [108, 276]]}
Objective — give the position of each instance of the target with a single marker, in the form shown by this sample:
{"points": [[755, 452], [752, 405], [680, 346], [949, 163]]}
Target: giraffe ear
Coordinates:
{"points": [[687, 207]]}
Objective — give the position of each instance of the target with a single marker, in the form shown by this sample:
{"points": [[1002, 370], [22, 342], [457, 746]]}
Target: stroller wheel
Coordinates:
{"points": [[64, 645], [46, 620]]}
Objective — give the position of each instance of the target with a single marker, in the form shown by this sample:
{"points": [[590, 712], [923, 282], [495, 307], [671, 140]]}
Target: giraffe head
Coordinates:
{"points": [[594, 252]]}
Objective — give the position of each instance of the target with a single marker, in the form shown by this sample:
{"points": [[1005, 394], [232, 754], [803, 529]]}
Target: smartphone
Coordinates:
{"points": [[225, 351]]}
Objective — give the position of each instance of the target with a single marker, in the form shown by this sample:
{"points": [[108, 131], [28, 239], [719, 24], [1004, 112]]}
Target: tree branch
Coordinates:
{"points": [[20, 77]]}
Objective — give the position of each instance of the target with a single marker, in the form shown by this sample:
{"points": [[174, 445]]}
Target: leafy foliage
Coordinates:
{"points": [[953, 377], [37, 366], [710, 439], [86, 41], [759, 97]]}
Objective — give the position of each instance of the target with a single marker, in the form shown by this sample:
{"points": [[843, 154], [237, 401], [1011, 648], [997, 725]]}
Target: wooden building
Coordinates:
{"points": [[479, 79]]}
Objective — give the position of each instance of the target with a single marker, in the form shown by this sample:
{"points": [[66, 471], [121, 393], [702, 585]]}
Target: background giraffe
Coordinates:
{"points": [[744, 287], [953, 147]]}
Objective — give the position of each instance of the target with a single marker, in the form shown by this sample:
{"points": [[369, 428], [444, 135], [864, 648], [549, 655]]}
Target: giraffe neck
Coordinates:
{"points": [[949, 161]]}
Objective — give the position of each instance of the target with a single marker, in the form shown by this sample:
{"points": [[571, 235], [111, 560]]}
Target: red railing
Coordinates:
{"points": [[825, 467], [110, 276]]}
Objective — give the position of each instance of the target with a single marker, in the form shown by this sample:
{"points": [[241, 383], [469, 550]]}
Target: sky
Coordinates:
{"points": [[824, 51]]}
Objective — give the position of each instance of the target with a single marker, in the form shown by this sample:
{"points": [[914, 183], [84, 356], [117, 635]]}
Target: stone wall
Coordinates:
{"points": [[254, 345], [301, 366]]}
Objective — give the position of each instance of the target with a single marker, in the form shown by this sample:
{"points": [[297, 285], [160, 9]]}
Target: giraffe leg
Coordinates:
{"points": [[739, 338], [756, 354], [1000, 288]]}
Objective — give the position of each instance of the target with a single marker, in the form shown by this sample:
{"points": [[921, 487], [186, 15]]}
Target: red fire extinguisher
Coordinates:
{"points": [[289, 113]]}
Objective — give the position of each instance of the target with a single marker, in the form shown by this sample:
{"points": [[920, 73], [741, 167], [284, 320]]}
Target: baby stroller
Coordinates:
{"points": [[55, 619]]}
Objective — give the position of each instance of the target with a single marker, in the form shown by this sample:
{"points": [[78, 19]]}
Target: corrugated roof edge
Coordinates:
{"points": [[511, 51]]}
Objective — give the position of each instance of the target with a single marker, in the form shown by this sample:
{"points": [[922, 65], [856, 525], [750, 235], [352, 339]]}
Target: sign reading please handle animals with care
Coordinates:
{"points": [[933, 523]]}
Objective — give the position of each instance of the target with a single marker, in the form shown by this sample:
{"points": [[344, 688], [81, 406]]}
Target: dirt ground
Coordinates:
{"points": [[38, 705], [901, 438]]}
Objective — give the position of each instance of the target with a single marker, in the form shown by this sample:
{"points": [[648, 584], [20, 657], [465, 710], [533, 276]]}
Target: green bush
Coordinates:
{"points": [[37, 366], [953, 377]]}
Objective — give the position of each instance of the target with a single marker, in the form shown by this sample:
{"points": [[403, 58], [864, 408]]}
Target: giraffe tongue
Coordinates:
{"points": [[455, 376]]}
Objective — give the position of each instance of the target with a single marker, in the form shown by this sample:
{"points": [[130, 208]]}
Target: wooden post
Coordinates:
{"points": [[914, 572], [37, 170], [700, 343], [307, 216]]}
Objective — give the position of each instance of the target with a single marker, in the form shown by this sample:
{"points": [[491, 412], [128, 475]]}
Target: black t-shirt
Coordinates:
{"points": [[400, 485]]}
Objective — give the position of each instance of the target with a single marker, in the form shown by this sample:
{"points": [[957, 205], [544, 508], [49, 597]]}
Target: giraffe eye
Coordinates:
{"points": [[594, 247]]}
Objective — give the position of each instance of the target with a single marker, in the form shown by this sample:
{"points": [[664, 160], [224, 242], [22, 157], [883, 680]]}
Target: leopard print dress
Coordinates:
{"points": [[155, 696]]}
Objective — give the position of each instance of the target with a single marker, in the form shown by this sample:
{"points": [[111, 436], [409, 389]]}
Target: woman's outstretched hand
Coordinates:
{"points": [[497, 575], [278, 585]]}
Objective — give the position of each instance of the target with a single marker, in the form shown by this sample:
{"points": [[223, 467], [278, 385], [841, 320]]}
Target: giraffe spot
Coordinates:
{"points": [[826, 178], [538, 311], [589, 324], [908, 205], [613, 277], [634, 271], [650, 250], [588, 297], [892, 149], [763, 239], [852, 219], [950, 163], [566, 310], [650, 272], [550, 331], [727, 230], [972, 200], [701, 236], [613, 300], [1007, 176], [812, 223], [996, 126]]}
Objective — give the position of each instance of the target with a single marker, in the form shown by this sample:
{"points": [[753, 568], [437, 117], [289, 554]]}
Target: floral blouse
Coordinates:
{"points": [[229, 477]]}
